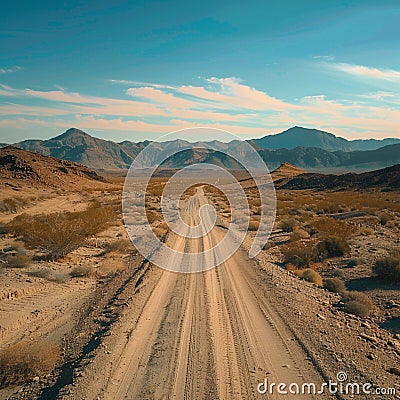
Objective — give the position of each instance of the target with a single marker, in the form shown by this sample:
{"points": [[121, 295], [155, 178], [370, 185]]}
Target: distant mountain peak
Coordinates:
{"points": [[286, 170], [288, 166], [72, 132]]}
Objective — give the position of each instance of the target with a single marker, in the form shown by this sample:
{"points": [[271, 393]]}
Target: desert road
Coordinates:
{"points": [[209, 335]]}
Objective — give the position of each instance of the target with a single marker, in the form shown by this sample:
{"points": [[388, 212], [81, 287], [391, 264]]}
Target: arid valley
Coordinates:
{"points": [[85, 316]]}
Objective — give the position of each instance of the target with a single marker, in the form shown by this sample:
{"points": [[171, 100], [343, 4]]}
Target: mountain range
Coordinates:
{"points": [[298, 136], [302, 147]]}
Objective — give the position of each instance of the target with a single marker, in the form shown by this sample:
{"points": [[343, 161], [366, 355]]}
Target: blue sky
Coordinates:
{"points": [[137, 70]]}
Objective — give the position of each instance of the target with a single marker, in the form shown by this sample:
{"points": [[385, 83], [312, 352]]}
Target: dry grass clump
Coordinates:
{"points": [[298, 234], [253, 225], [334, 227], [23, 361], [357, 303], [313, 276], [384, 219], [119, 246], [18, 260], [287, 225], [335, 285], [13, 204], [388, 268], [52, 276], [299, 254], [366, 231], [81, 271], [58, 234], [332, 247]]}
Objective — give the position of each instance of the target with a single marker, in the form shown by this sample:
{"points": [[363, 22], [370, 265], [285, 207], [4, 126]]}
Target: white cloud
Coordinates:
{"points": [[363, 71], [10, 70], [324, 57], [224, 103], [380, 95]]}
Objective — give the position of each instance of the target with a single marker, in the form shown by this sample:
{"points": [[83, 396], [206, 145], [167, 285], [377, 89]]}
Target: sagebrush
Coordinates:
{"points": [[58, 234]]}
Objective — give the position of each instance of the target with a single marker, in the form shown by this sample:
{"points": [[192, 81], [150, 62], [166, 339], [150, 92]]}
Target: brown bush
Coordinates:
{"points": [[384, 219], [388, 268], [299, 254], [335, 285], [58, 234], [357, 303], [253, 225], [287, 225], [332, 227], [23, 361], [332, 247], [357, 308], [18, 260], [52, 276], [81, 271], [313, 276], [120, 246]]}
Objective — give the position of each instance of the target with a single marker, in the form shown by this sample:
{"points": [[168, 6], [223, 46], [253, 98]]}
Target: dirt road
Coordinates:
{"points": [[209, 335]]}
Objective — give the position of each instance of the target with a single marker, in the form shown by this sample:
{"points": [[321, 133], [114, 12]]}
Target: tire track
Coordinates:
{"points": [[209, 335]]}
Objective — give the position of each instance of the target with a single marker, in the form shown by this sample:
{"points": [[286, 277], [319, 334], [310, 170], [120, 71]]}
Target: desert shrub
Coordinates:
{"points": [[384, 219], [367, 231], [59, 277], [52, 276], [294, 237], [81, 271], [8, 205], [338, 273], [335, 285], [120, 246], [357, 303], [57, 234], [253, 225], [21, 362], [313, 276], [333, 227], [40, 273], [287, 225], [301, 232], [388, 268], [299, 254], [18, 260], [357, 308], [332, 247]]}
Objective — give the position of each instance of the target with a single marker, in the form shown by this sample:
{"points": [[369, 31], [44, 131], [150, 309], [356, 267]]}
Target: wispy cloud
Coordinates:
{"points": [[138, 83], [363, 71], [380, 95], [224, 103], [324, 57], [10, 70]]}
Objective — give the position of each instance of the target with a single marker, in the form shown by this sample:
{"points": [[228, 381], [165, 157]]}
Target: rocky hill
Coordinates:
{"points": [[384, 179], [20, 168]]}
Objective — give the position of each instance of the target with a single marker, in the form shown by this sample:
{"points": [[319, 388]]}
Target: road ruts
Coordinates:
{"points": [[209, 335]]}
